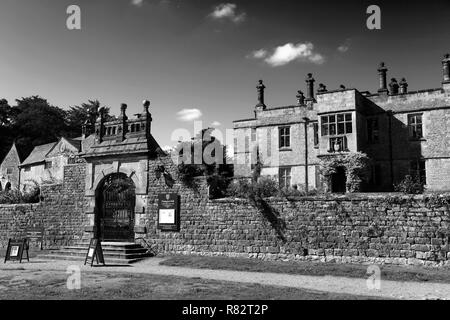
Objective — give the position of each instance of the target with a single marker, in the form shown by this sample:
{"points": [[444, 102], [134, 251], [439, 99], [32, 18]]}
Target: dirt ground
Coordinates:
{"points": [[20, 283]]}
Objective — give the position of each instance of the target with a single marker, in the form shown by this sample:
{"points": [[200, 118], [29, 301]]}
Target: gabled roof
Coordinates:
{"points": [[13, 149], [75, 142], [39, 153]]}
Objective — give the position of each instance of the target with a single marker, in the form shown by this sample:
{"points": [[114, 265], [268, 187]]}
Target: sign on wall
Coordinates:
{"points": [[15, 250], [35, 235], [169, 212]]}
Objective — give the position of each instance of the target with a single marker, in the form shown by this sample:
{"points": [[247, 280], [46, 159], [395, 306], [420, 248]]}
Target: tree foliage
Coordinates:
{"points": [[33, 121]]}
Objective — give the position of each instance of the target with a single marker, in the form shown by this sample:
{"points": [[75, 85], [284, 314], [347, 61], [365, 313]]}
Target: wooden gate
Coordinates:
{"points": [[118, 199]]}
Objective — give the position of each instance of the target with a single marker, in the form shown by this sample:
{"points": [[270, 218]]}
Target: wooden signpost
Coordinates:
{"points": [[169, 212], [95, 251], [15, 250]]}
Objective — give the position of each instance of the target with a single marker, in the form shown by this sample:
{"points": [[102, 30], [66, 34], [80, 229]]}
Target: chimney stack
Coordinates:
{"points": [[403, 86], [300, 98], [147, 116], [100, 131], [86, 129], [322, 88], [260, 90], [393, 85], [310, 87], [123, 117], [446, 68], [382, 70]]}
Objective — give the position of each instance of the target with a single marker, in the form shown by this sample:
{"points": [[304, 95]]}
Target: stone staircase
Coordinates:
{"points": [[115, 253]]}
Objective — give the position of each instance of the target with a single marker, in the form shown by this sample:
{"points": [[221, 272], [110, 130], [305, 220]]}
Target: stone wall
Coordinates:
{"points": [[376, 229], [60, 212]]}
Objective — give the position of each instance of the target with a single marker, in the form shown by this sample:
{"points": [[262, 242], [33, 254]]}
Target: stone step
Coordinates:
{"points": [[109, 249], [108, 261], [113, 252], [106, 254]]}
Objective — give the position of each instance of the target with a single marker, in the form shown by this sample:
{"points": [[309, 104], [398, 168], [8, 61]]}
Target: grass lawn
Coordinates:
{"points": [[51, 285], [397, 273]]}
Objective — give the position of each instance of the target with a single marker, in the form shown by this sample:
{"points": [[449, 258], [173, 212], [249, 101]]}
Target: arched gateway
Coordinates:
{"points": [[118, 155], [115, 203]]}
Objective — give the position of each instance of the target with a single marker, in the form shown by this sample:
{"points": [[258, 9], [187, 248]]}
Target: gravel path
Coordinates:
{"points": [[389, 289]]}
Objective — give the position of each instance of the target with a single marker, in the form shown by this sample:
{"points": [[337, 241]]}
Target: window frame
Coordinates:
{"points": [[285, 177], [418, 169], [331, 123], [284, 139], [413, 126], [316, 134], [373, 131], [48, 165], [9, 170]]}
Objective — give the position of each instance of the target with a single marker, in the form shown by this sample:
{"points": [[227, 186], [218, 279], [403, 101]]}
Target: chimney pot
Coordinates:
{"points": [[300, 98], [393, 85], [446, 68], [322, 88], [260, 90], [310, 87], [403, 86], [382, 71]]}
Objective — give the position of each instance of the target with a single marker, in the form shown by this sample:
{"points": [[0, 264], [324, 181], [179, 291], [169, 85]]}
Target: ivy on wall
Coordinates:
{"points": [[356, 165]]}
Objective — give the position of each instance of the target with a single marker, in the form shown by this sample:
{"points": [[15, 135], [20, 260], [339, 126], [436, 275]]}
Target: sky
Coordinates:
{"points": [[201, 59]]}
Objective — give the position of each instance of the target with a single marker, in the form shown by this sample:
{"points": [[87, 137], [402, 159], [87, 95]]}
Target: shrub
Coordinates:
{"points": [[16, 197], [262, 188], [296, 191], [409, 185], [187, 173]]}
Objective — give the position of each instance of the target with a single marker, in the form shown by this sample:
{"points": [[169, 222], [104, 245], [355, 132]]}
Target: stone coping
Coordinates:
{"points": [[346, 197]]}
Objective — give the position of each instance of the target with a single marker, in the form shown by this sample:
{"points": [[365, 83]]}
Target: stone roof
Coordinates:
{"points": [[130, 145], [39, 153]]}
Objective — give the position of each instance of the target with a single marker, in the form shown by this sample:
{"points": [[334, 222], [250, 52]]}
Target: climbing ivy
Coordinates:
{"points": [[356, 166]]}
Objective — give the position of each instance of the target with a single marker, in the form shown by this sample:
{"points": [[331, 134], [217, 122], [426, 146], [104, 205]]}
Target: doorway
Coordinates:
{"points": [[338, 180], [115, 203]]}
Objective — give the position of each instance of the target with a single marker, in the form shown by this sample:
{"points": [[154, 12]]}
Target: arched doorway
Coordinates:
{"points": [[115, 200], [338, 180], [8, 186]]}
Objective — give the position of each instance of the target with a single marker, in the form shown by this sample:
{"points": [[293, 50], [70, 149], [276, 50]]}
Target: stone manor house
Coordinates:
{"points": [[403, 132]]}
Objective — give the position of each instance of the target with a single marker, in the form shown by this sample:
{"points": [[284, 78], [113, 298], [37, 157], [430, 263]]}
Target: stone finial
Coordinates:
{"points": [[322, 88], [446, 68], [382, 72], [309, 87], [123, 108], [146, 104], [260, 91], [393, 85], [300, 98], [403, 86]]}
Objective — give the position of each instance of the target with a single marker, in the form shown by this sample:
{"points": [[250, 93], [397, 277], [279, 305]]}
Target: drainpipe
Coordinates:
{"points": [[306, 154], [391, 165]]}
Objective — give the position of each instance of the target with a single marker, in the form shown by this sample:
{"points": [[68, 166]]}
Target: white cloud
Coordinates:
{"points": [[189, 114], [345, 46], [228, 11], [258, 54], [289, 52], [137, 3], [215, 124]]}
